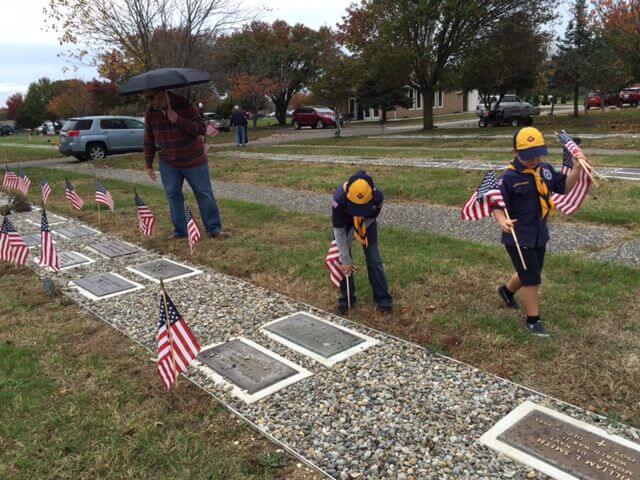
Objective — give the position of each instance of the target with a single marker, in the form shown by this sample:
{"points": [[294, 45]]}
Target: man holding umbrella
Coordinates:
{"points": [[175, 129]]}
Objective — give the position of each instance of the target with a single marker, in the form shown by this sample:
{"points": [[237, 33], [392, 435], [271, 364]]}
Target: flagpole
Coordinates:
{"points": [[348, 293], [515, 239], [98, 212], [169, 334]]}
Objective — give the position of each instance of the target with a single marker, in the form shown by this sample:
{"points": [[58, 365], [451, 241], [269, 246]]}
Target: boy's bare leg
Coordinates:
{"points": [[514, 283], [530, 300]]}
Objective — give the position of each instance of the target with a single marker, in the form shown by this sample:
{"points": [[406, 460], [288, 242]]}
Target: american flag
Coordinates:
{"points": [[48, 255], [12, 246], [192, 228], [23, 183], [46, 190], [146, 220], [103, 195], [10, 179], [484, 199], [570, 203], [332, 262], [177, 347], [73, 197]]}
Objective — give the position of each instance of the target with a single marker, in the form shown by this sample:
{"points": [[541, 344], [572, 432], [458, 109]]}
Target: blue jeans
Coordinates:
{"points": [[199, 181], [241, 135], [377, 279]]}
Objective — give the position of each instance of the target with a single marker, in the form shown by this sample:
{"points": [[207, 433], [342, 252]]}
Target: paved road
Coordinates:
{"points": [[610, 243]]}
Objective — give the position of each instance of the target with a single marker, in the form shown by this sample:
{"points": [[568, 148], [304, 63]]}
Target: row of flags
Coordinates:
{"points": [[13, 249], [146, 219]]}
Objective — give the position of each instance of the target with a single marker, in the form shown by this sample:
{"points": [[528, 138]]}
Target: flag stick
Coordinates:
{"points": [[348, 293], [98, 212], [169, 334], [515, 239]]}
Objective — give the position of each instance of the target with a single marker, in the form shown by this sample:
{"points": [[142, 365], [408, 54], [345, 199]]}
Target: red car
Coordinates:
{"points": [[314, 117], [630, 95], [593, 100]]}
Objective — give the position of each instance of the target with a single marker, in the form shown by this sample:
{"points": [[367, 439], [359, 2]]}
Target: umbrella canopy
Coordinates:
{"points": [[163, 78]]}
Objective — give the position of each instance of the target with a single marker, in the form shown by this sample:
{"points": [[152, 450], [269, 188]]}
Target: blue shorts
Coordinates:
{"points": [[534, 258]]}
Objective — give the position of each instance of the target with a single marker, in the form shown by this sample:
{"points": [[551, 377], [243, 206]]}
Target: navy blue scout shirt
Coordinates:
{"points": [[342, 219], [523, 202]]}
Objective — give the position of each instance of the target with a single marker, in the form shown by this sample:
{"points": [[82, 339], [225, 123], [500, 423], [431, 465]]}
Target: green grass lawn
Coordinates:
{"points": [[10, 154], [616, 202], [629, 160], [80, 400], [30, 140], [444, 292]]}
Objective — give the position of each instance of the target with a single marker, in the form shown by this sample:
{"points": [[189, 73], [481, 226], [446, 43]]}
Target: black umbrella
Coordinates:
{"points": [[163, 78]]}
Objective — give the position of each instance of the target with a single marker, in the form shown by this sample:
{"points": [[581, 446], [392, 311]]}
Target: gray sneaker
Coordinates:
{"points": [[537, 329]]}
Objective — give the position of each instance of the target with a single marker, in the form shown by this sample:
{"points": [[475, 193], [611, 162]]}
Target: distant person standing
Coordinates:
{"points": [[174, 128], [240, 122]]}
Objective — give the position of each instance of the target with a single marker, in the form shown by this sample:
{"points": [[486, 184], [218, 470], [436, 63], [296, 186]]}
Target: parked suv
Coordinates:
{"points": [[511, 110], [217, 121], [630, 95], [314, 117], [94, 138]]}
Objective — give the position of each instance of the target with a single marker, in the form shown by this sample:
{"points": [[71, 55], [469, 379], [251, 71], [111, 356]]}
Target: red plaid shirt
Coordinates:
{"points": [[179, 144]]}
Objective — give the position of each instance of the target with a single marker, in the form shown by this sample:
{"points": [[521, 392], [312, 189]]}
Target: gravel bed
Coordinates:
{"points": [[395, 411], [626, 253]]}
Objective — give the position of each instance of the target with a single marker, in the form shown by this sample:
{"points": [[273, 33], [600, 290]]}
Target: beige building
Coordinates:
{"points": [[443, 103]]}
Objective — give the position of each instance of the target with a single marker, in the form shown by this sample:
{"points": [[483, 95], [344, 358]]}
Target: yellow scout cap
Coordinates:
{"points": [[360, 192], [529, 143]]}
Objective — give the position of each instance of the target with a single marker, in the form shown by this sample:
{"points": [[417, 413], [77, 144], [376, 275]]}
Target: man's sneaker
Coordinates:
{"points": [[219, 235], [507, 297], [342, 309], [384, 309], [536, 329]]}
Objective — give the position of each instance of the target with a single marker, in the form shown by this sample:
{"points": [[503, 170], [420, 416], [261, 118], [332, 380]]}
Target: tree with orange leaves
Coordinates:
{"points": [[252, 92]]}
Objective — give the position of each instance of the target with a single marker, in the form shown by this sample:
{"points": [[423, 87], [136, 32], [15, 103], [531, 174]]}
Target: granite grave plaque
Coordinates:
{"points": [[72, 259], [104, 284], [245, 366], [562, 447], [114, 248], [315, 335], [75, 231], [162, 269], [31, 239]]}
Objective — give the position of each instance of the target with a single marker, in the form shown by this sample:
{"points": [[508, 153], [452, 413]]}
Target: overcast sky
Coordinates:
{"points": [[27, 52]]}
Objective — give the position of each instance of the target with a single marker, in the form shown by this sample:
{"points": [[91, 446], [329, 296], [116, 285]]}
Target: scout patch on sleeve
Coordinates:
{"points": [[547, 174]]}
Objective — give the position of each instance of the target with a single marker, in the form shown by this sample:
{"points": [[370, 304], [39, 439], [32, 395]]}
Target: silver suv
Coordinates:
{"points": [[94, 138]]}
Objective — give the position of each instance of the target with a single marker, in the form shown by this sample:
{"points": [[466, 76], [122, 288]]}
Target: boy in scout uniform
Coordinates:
{"points": [[356, 206], [526, 187]]}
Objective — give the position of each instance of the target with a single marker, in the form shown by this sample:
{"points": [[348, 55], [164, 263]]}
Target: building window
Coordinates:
{"points": [[419, 99], [440, 99], [411, 98]]}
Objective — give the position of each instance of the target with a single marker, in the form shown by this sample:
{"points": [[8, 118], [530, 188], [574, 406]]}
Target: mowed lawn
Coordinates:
{"points": [[15, 154], [444, 292], [80, 400], [616, 202]]}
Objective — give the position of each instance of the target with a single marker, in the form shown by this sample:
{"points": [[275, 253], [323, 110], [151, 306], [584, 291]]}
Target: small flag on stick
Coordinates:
{"points": [[177, 346], [12, 246], [23, 183], [146, 220], [104, 196], [10, 179], [571, 202], [333, 265], [46, 190], [73, 197], [484, 199], [193, 230], [48, 255]]}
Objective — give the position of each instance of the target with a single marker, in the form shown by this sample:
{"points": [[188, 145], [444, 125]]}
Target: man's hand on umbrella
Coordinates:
{"points": [[172, 116]]}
